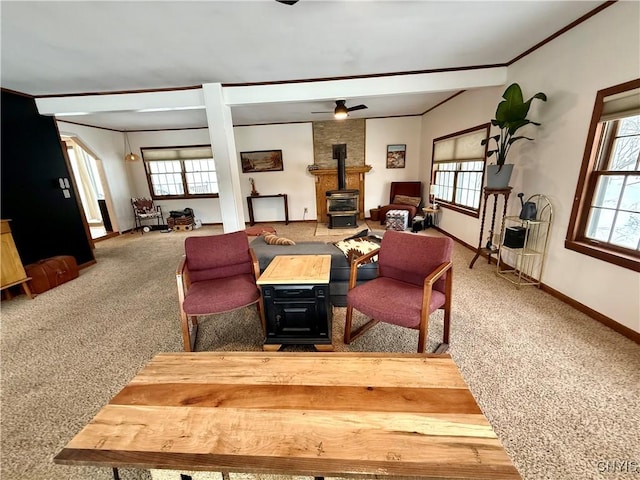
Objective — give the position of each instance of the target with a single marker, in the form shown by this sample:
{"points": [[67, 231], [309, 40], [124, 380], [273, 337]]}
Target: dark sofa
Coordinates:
{"points": [[340, 268]]}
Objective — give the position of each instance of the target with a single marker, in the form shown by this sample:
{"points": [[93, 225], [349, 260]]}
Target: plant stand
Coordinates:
{"points": [[520, 261], [489, 250]]}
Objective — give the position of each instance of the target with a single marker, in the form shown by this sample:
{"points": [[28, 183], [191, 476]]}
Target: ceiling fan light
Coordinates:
{"points": [[341, 112]]}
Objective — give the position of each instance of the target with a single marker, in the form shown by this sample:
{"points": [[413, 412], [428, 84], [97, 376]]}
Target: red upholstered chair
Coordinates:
{"points": [[217, 274], [414, 280], [408, 189]]}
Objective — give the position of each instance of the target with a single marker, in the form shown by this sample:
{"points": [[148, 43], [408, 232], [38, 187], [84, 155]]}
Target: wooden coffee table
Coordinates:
{"points": [[339, 414]]}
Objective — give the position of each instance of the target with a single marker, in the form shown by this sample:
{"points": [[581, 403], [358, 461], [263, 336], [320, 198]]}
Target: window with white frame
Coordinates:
{"points": [[605, 221], [180, 172], [458, 168]]}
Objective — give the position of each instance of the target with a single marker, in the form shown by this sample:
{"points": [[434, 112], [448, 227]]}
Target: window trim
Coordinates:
{"points": [[575, 239], [454, 206], [182, 175]]}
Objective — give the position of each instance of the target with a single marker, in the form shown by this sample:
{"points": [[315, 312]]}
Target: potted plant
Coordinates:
{"points": [[511, 116]]}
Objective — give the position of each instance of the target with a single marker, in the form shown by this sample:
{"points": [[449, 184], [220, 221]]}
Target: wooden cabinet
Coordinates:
{"points": [[295, 290], [11, 266]]}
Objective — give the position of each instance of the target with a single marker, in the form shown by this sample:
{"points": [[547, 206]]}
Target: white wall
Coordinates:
{"points": [[599, 53], [470, 109], [381, 132], [205, 209], [108, 146], [296, 142]]}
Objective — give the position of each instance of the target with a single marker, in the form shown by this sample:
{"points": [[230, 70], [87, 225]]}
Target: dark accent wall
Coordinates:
{"points": [[44, 222]]}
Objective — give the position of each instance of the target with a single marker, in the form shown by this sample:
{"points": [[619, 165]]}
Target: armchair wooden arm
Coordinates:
{"points": [[256, 274], [426, 300], [255, 264], [353, 273], [182, 278], [437, 273]]}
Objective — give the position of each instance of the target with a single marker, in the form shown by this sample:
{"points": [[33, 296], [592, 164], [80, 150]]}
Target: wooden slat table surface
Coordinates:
{"points": [[297, 269], [333, 414]]}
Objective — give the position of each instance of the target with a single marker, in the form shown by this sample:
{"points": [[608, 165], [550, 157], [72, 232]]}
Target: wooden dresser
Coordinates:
{"points": [[11, 266]]}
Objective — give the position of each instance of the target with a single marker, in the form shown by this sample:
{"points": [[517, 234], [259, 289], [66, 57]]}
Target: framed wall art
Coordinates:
{"points": [[261, 161], [395, 156]]}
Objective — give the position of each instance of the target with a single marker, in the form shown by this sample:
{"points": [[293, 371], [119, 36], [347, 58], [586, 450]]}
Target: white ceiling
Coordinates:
{"points": [[53, 48]]}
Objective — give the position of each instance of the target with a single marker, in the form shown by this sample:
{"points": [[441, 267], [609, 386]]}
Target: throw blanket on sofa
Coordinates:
{"points": [[356, 247]]}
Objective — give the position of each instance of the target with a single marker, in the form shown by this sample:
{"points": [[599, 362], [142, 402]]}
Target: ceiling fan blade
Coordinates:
{"points": [[287, 2], [357, 107]]}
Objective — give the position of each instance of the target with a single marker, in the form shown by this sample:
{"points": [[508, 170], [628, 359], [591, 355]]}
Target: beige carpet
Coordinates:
{"points": [[561, 390], [323, 230]]}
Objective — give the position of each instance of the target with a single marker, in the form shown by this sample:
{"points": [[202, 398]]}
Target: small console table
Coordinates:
{"points": [[295, 289], [488, 251], [250, 200]]}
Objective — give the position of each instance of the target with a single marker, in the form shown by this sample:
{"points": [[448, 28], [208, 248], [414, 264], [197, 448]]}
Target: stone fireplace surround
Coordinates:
{"points": [[325, 168]]}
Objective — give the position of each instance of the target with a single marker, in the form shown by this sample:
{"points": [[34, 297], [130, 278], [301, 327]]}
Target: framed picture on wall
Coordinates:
{"points": [[261, 161], [395, 156]]}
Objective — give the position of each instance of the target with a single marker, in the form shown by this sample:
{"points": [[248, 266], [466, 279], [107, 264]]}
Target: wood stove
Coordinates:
{"points": [[342, 208], [342, 204]]}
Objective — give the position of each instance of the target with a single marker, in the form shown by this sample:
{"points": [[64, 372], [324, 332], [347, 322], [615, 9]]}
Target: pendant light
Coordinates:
{"points": [[129, 157]]}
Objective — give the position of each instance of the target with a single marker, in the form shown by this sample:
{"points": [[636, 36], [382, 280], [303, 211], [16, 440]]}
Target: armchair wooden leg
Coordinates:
{"points": [[193, 332], [263, 320], [350, 336], [422, 338], [447, 309], [347, 325], [189, 331], [446, 326]]}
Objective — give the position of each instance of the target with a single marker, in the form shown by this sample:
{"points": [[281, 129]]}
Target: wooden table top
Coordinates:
{"points": [[297, 269], [338, 414]]}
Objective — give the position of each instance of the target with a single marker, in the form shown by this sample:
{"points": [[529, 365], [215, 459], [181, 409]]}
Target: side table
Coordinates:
{"points": [[297, 310], [488, 251], [430, 216]]}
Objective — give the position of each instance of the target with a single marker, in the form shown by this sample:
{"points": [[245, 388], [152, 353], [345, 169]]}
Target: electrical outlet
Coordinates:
{"points": [[306, 210]]}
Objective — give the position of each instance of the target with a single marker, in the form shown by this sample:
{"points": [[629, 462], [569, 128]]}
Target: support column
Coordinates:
{"points": [[224, 154]]}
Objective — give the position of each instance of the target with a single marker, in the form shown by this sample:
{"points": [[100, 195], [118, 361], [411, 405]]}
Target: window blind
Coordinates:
{"points": [[173, 153], [621, 105], [463, 148]]}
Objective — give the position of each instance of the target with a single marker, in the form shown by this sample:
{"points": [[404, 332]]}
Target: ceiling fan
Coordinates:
{"points": [[288, 2], [342, 111]]}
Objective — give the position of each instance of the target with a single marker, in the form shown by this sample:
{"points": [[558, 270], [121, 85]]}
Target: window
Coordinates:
{"points": [[458, 168], [605, 221], [180, 172]]}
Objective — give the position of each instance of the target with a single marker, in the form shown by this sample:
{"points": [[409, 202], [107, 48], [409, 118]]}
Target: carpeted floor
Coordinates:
{"points": [[561, 390], [323, 230]]}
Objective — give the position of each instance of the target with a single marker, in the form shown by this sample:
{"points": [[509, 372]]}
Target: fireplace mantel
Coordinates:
{"points": [[327, 179]]}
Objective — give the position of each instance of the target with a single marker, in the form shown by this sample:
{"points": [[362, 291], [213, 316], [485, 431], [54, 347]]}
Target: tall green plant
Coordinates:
{"points": [[511, 115]]}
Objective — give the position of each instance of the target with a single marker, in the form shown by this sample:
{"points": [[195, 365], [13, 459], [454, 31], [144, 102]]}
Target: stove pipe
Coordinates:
{"points": [[340, 154]]}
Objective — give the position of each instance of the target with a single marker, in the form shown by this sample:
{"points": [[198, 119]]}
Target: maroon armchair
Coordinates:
{"points": [[414, 280], [217, 274], [412, 190]]}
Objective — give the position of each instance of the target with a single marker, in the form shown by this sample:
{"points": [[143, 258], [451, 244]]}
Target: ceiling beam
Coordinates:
{"points": [[276, 93], [366, 87]]}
